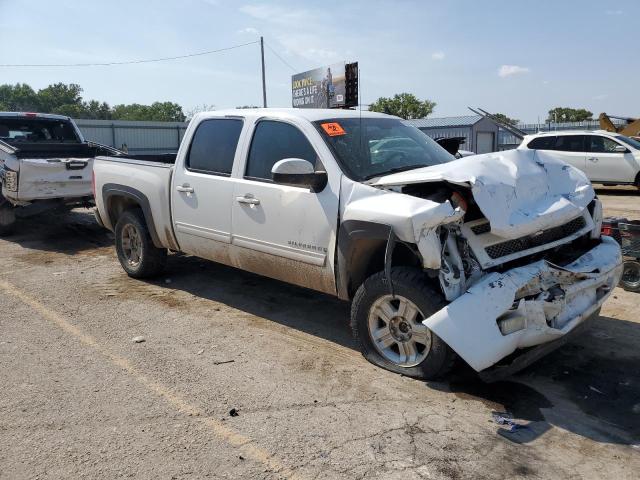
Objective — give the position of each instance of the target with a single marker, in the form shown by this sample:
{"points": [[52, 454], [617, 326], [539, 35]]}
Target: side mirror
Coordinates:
{"points": [[298, 173], [620, 149]]}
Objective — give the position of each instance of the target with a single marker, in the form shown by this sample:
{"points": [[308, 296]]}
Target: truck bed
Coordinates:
{"points": [[152, 174]]}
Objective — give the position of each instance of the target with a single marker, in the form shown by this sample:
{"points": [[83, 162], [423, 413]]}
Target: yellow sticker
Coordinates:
{"points": [[333, 129]]}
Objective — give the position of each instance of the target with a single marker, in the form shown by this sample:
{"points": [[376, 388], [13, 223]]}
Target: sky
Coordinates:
{"points": [[513, 57]]}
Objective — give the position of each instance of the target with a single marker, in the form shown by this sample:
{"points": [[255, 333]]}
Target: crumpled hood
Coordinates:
{"points": [[520, 192]]}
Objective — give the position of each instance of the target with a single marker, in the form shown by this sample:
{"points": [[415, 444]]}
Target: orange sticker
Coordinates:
{"points": [[333, 129]]}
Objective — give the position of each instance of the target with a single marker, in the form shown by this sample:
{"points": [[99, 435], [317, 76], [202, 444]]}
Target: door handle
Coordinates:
{"points": [[248, 200], [593, 159], [184, 189]]}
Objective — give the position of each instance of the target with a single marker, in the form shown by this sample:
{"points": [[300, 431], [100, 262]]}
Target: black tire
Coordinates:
{"points": [[7, 218], [411, 284], [151, 259], [630, 279]]}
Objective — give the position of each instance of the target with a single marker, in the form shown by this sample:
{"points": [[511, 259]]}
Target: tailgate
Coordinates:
{"points": [[43, 178]]}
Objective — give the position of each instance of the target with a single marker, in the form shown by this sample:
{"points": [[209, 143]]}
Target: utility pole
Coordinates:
{"points": [[264, 83]]}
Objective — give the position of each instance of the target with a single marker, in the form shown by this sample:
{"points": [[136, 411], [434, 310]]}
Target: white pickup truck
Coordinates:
{"points": [[484, 257], [44, 163]]}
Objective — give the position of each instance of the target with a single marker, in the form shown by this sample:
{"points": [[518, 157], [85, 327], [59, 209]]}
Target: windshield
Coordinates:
{"points": [[629, 141], [370, 147], [31, 130]]}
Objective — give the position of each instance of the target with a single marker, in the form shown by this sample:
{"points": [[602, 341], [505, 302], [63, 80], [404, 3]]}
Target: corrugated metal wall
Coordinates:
{"points": [[138, 137]]}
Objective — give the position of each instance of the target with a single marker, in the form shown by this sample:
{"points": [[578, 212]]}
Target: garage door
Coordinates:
{"points": [[484, 142]]}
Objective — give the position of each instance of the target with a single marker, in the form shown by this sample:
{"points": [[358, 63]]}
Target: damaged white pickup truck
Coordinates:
{"points": [[495, 258]]}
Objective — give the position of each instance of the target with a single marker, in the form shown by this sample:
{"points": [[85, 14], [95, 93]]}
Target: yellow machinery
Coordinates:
{"points": [[631, 127]]}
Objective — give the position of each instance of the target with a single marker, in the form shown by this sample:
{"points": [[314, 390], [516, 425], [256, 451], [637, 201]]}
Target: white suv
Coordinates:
{"points": [[607, 158]]}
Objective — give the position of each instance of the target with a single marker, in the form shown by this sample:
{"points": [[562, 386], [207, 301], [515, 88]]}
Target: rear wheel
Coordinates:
{"points": [[139, 257], [630, 279], [7, 218], [389, 329]]}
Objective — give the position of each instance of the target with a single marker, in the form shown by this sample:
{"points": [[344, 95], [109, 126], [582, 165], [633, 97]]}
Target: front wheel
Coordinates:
{"points": [[630, 279], [139, 257], [389, 329]]}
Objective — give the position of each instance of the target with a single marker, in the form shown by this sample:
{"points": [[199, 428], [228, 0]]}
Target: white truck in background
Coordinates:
{"points": [[496, 258], [45, 163]]}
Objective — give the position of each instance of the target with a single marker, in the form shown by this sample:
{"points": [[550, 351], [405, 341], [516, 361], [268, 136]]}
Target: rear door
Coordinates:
{"points": [[572, 149], [281, 231], [604, 164], [203, 189]]}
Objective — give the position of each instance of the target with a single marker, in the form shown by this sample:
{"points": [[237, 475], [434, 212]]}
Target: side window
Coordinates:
{"points": [[570, 143], [214, 145], [272, 142], [602, 144], [542, 143]]}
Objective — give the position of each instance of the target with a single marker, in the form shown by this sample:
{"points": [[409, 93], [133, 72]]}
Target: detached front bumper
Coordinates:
{"points": [[527, 306]]}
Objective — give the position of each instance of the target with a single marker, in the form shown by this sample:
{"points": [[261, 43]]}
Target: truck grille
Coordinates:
{"points": [[481, 228], [532, 241]]}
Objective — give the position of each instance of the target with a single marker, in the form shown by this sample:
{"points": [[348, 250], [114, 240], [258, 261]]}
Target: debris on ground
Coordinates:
{"points": [[200, 352], [138, 339], [506, 420], [222, 362], [594, 389], [233, 412]]}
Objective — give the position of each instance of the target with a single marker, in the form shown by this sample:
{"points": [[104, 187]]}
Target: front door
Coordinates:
{"points": [[281, 231], [606, 165], [203, 190]]}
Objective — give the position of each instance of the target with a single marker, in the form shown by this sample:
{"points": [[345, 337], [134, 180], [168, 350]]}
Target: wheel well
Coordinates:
{"points": [[369, 257], [637, 182], [118, 204]]}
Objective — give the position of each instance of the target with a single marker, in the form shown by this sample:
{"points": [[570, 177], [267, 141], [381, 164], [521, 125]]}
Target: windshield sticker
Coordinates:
{"points": [[333, 129]]}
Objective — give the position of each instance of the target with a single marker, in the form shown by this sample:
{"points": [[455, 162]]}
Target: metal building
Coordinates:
{"points": [[480, 133], [135, 137]]}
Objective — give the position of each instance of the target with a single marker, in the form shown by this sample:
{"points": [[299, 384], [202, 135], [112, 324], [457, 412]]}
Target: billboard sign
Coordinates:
{"points": [[323, 87]]}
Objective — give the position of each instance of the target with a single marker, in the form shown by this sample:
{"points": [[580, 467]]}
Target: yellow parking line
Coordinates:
{"points": [[236, 439]]}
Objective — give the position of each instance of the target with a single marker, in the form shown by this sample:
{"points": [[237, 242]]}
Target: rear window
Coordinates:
{"points": [[542, 143], [31, 130], [214, 146], [571, 143]]}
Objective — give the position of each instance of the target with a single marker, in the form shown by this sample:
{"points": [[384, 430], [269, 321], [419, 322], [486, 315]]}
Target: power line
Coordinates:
{"points": [[281, 59], [130, 62]]}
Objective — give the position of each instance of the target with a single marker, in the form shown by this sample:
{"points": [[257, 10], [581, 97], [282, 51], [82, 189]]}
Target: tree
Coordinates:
{"points": [[566, 114], [66, 99], [157, 111], [502, 118], [404, 105], [18, 98], [60, 97], [199, 109]]}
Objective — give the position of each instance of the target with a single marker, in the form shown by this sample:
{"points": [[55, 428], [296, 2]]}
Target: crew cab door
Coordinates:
{"points": [[202, 190], [606, 165], [280, 231]]}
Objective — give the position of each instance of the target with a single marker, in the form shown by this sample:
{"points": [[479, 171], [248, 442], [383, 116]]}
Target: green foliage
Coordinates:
{"points": [[404, 105], [66, 99], [501, 117], [566, 114]]}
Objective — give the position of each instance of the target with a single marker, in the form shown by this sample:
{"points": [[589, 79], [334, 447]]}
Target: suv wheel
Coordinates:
{"points": [[389, 329], [139, 257]]}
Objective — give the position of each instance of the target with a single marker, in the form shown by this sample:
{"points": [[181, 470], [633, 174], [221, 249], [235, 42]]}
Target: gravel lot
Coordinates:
{"points": [[245, 377]]}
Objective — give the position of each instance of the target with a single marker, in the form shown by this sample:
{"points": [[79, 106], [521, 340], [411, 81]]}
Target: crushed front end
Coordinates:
{"points": [[527, 305]]}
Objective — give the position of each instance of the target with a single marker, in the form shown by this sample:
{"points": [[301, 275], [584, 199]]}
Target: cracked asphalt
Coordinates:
{"points": [[80, 399]]}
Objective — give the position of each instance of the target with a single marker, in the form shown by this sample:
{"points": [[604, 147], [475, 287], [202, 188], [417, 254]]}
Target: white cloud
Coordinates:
{"points": [[614, 12], [509, 70], [276, 14], [438, 55], [249, 30]]}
